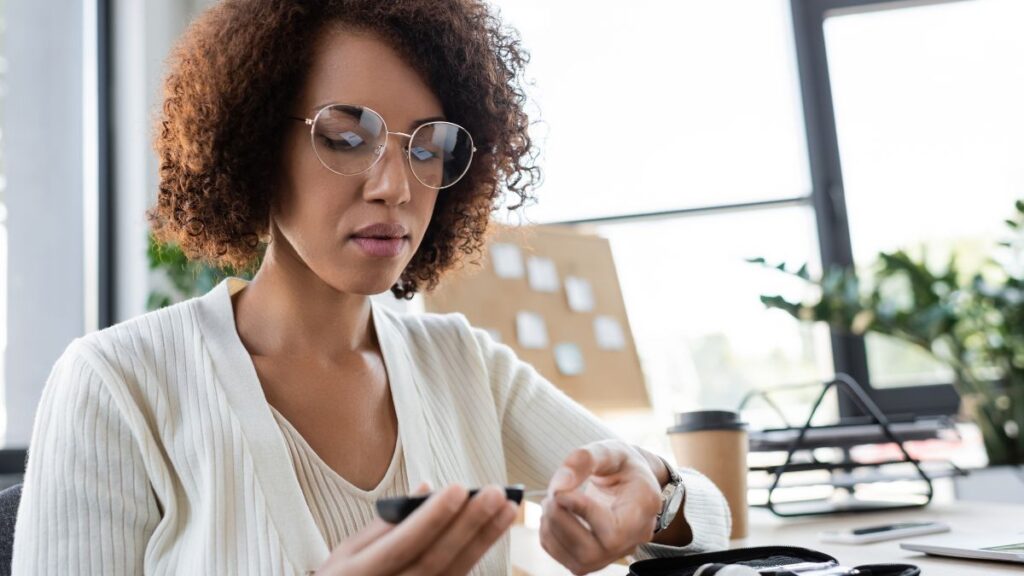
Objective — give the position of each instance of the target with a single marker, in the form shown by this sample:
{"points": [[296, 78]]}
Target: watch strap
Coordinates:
{"points": [[668, 493]]}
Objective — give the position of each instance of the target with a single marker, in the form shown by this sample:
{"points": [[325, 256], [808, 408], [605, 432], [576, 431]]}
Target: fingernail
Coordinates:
{"points": [[509, 514], [456, 496], [492, 499], [563, 477]]}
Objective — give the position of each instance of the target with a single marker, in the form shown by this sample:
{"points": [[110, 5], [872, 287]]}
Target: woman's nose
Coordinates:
{"points": [[388, 181]]}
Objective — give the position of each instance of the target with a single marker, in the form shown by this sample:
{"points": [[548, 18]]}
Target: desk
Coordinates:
{"points": [[766, 530], [964, 517]]}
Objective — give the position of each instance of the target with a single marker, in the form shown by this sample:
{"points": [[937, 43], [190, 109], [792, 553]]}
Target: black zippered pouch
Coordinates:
{"points": [[758, 558]]}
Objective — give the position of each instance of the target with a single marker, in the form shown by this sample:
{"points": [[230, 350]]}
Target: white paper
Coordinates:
{"points": [[543, 275], [531, 330], [569, 359], [609, 333], [507, 259], [580, 294], [494, 334]]}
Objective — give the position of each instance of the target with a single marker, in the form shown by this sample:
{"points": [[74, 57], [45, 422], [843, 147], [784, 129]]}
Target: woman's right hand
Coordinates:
{"points": [[447, 534]]}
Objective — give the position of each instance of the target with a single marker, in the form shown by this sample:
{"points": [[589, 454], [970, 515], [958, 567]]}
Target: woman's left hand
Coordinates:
{"points": [[585, 530]]}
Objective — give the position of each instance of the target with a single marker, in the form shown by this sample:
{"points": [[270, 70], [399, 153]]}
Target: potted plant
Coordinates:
{"points": [[972, 321], [186, 278]]}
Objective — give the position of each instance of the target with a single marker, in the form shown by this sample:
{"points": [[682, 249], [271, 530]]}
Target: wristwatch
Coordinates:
{"points": [[671, 498]]}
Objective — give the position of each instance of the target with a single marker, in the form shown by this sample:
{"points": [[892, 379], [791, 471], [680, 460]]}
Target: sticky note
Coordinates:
{"points": [[580, 294], [542, 273], [507, 260], [531, 330], [569, 359], [609, 333]]}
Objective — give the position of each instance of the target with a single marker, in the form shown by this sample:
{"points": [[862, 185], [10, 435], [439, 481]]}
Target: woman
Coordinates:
{"points": [[358, 146]]}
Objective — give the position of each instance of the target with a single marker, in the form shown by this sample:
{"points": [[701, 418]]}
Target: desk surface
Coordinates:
{"points": [[964, 517], [765, 530]]}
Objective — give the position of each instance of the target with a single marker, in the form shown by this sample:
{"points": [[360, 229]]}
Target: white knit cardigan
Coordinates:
{"points": [[154, 449]]}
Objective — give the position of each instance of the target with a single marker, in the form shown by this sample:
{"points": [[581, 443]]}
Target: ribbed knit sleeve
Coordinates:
{"points": [[541, 426], [87, 506]]}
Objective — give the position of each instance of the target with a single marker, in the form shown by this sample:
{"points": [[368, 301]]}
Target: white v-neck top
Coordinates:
{"points": [[155, 451], [339, 508]]}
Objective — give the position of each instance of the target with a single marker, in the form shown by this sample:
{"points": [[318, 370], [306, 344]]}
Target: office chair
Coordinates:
{"points": [[12, 469], [9, 500]]}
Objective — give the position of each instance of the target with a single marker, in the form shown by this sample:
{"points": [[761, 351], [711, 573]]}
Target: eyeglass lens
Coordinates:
{"points": [[350, 139]]}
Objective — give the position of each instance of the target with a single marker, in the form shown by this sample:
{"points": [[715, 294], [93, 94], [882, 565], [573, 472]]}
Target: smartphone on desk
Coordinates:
{"points": [[882, 532]]}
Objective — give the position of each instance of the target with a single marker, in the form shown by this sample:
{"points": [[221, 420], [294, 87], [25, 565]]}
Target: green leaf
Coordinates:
{"points": [[189, 278], [780, 303]]}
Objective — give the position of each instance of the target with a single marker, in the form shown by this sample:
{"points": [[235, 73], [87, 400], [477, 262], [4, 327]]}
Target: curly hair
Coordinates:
{"points": [[241, 63]]}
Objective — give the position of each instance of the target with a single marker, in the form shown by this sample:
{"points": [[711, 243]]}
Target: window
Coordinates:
{"points": [[675, 105], [693, 303], [3, 215], [680, 136], [696, 134], [45, 88], [913, 130], [929, 124]]}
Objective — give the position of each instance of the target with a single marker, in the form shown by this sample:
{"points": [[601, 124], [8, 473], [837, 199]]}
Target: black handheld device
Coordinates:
{"points": [[394, 510]]}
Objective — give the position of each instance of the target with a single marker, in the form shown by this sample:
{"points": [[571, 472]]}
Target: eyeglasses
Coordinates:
{"points": [[349, 140]]}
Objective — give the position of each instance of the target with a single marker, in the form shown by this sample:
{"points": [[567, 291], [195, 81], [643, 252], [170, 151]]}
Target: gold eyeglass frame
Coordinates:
{"points": [[381, 148]]}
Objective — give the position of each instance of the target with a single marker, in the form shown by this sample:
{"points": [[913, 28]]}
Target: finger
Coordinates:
{"points": [[595, 459], [600, 519], [481, 510], [484, 540], [377, 528], [572, 531], [575, 469], [608, 457], [574, 537], [556, 549], [414, 535], [374, 530]]}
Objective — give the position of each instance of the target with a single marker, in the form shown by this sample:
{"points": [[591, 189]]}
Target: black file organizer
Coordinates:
{"points": [[843, 384]]}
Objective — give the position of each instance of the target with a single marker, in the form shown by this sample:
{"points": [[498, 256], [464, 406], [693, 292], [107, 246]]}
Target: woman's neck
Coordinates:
{"points": [[287, 309]]}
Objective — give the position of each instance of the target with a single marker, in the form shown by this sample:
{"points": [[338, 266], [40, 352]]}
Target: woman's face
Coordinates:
{"points": [[326, 220]]}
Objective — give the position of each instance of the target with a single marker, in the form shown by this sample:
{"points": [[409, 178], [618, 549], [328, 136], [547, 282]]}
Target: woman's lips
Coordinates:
{"points": [[380, 247]]}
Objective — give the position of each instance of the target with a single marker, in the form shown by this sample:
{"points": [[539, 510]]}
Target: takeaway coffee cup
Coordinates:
{"points": [[714, 442]]}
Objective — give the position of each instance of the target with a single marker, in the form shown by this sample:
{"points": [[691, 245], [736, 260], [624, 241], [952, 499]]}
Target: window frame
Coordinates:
{"points": [[106, 233], [849, 352]]}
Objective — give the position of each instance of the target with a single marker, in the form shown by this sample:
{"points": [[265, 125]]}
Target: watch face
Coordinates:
{"points": [[672, 507]]}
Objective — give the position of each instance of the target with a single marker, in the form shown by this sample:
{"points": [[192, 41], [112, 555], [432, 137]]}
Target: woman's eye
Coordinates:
{"points": [[343, 141], [422, 154]]}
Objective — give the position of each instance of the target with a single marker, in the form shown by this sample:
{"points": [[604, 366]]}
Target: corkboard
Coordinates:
{"points": [[611, 380]]}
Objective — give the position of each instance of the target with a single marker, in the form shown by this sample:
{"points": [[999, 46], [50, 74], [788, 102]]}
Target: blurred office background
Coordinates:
{"points": [[818, 132]]}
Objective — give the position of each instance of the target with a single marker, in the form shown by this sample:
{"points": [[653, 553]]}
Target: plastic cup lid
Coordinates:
{"points": [[707, 420]]}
